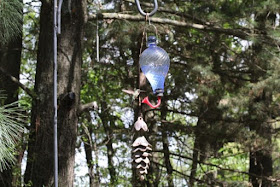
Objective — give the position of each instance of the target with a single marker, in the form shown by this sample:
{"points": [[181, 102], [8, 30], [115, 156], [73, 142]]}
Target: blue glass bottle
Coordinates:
{"points": [[154, 63]]}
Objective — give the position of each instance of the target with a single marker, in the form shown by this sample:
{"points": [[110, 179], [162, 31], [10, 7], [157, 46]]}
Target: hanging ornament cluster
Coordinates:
{"points": [[154, 63]]}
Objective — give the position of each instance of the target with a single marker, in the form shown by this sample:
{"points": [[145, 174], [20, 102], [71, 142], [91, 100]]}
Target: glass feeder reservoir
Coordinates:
{"points": [[154, 63]]}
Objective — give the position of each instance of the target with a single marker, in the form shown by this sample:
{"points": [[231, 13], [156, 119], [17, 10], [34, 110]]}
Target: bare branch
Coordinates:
{"points": [[16, 81]]}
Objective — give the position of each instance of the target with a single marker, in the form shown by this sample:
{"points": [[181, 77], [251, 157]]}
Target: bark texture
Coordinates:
{"points": [[39, 169]]}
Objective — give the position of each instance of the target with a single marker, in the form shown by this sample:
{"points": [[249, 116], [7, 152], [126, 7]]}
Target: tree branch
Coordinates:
{"points": [[173, 126], [243, 33], [276, 180], [92, 105], [16, 81], [174, 12]]}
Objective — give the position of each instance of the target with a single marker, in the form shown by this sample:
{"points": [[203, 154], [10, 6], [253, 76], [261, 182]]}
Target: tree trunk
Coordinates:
{"points": [[194, 160], [139, 82], [260, 165], [39, 170], [108, 124], [165, 144], [10, 57], [90, 146], [154, 173], [261, 151], [10, 60]]}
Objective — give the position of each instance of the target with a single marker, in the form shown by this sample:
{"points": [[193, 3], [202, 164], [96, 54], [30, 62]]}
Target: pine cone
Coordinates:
{"points": [[140, 124], [141, 152]]}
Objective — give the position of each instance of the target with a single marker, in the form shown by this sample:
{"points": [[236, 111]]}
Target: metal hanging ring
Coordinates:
{"points": [[144, 13]]}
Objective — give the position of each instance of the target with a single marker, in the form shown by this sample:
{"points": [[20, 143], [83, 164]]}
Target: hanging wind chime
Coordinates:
{"points": [[154, 63]]}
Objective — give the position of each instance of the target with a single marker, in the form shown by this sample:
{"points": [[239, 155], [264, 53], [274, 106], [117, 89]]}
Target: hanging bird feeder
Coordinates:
{"points": [[154, 63]]}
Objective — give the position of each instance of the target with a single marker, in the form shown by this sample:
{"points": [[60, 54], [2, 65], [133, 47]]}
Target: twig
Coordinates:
{"points": [[181, 173]]}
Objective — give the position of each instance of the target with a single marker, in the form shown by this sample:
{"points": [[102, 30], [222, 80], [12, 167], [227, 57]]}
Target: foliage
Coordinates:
{"points": [[10, 19], [11, 125]]}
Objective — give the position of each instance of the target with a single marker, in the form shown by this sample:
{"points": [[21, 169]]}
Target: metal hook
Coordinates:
{"points": [[144, 13]]}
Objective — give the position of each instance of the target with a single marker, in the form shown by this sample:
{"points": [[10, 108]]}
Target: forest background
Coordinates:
{"points": [[218, 124]]}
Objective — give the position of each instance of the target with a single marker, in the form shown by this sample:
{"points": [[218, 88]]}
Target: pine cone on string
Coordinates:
{"points": [[140, 154]]}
